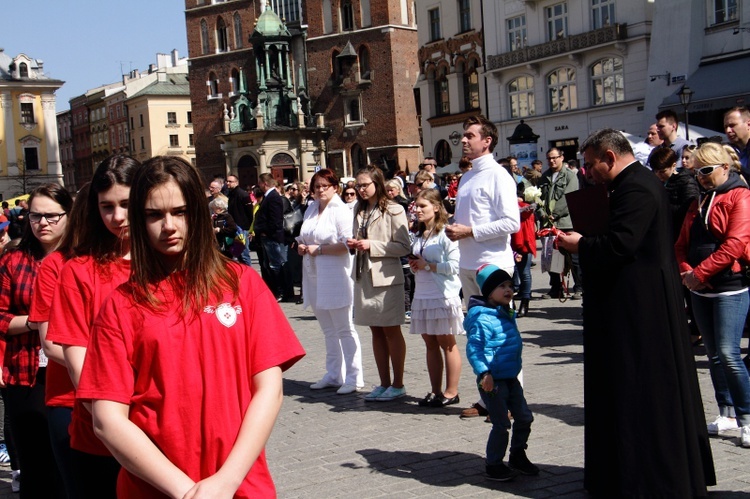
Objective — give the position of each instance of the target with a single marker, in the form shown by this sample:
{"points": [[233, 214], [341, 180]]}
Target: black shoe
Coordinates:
{"points": [[442, 401], [427, 400], [519, 462], [500, 472], [300, 300], [523, 308], [553, 293]]}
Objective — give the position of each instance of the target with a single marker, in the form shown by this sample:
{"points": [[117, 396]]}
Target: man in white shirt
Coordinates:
{"points": [[486, 207], [485, 217]]}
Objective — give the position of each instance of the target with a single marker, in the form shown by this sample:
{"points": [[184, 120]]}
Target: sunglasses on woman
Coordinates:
{"points": [[707, 170], [349, 193]]}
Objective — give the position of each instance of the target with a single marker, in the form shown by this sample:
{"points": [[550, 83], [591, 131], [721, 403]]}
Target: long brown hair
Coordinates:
{"points": [[93, 238], [203, 272], [376, 175], [441, 216], [29, 243]]}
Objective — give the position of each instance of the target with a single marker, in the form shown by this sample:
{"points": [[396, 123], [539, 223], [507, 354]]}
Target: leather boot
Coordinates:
{"points": [[523, 309]]}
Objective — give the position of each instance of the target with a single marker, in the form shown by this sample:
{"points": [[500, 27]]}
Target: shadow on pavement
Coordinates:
{"points": [[408, 404], [571, 415], [450, 469]]}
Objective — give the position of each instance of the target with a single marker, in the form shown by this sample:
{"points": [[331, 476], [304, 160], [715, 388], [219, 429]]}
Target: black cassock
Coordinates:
{"points": [[645, 431]]}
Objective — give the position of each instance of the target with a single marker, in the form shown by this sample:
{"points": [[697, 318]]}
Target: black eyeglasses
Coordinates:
{"points": [[359, 187], [51, 218], [550, 158]]}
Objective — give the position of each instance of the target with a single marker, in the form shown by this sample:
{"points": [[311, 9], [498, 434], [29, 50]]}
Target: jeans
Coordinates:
{"points": [[245, 257], [28, 414], [58, 419], [275, 254], [507, 395], [523, 274], [343, 351], [720, 321]]}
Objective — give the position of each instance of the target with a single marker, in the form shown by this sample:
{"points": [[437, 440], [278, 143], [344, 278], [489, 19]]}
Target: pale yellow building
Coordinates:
{"points": [[161, 119], [29, 154]]}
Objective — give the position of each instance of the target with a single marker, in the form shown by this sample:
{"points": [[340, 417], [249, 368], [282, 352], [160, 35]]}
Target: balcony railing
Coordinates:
{"points": [[565, 45]]}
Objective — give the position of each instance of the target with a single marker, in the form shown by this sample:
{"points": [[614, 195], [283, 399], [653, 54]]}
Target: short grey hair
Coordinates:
{"points": [[219, 203]]}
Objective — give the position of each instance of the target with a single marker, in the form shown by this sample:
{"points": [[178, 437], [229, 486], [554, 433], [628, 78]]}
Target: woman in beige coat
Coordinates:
{"points": [[381, 238]]}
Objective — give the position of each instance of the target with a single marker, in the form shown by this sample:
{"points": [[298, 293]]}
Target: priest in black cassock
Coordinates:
{"points": [[645, 430]]}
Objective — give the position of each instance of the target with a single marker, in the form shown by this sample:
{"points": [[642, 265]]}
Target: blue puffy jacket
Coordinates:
{"points": [[494, 343]]}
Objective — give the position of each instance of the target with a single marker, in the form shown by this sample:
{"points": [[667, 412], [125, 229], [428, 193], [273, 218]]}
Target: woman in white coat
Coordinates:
{"points": [[326, 270]]}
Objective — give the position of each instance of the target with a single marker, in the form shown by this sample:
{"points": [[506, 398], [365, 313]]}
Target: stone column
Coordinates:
{"points": [[54, 166]]}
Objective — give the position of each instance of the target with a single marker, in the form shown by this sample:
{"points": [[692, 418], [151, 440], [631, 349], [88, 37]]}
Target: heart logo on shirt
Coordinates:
{"points": [[226, 313]]}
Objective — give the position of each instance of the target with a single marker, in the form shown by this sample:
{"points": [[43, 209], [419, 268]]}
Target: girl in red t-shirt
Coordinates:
{"points": [[99, 263], [184, 379], [24, 365]]}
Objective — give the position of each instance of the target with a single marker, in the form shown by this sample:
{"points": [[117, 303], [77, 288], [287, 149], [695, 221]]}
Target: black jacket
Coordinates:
{"points": [[240, 207], [269, 220]]}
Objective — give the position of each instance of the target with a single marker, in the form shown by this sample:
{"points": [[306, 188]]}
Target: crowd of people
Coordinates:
{"points": [[130, 313]]}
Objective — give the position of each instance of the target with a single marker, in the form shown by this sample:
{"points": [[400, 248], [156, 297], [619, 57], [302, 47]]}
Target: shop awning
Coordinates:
{"points": [[716, 86]]}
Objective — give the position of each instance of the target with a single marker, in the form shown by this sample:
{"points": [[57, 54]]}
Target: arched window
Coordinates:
{"points": [[561, 88], [237, 31], [213, 85], [471, 86], [442, 96], [23, 70], [364, 63], [443, 153], [235, 81], [607, 81], [221, 36], [347, 15], [521, 97], [204, 37]]}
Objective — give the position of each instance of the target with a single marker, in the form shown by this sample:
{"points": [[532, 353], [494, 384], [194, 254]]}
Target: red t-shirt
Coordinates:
{"points": [[82, 288], [59, 390], [188, 380]]}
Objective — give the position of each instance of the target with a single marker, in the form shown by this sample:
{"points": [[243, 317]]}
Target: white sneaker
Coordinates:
{"points": [[745, 436], [323, 384], [347, 389], [15, 481], [722, 423]]}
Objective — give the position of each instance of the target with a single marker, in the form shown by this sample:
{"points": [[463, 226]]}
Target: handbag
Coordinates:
{"points": [[292, 222]]}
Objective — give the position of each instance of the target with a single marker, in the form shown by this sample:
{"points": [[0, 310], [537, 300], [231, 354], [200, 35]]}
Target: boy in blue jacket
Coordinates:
{"points": [[494, 352]]}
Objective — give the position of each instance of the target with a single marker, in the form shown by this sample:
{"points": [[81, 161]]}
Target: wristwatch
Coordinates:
{"points": [[427, 267]]}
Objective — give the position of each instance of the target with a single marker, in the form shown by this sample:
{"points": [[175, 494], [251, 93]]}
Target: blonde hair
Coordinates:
{"points": [[711, 153], [396, 184]]}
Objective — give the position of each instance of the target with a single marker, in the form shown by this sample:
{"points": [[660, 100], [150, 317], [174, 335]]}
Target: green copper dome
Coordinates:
{"points": [[270, 24]]}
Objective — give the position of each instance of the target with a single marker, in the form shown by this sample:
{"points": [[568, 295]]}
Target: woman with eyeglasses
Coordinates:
{"points": [[712, 252], [381, 238], [25, 365], [327, 265], [100, 262]]}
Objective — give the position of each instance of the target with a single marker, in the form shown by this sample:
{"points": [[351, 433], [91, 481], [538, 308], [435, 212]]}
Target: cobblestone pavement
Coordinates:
{"points": [[329, 445]]}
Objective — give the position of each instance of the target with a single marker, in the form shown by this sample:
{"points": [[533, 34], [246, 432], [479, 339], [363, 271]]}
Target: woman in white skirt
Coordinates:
{"points": [[436, 309]]}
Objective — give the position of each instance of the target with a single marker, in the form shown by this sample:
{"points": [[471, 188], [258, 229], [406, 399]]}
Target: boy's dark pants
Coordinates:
{"points": [[507, 395]]}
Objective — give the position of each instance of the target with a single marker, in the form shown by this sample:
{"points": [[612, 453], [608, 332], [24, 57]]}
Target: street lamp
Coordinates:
{"points": [[686, 95], [455, 137], [316, 156]]}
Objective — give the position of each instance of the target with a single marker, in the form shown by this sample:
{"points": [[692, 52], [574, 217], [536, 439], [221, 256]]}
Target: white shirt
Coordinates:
{"points": [[487, 203]]}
